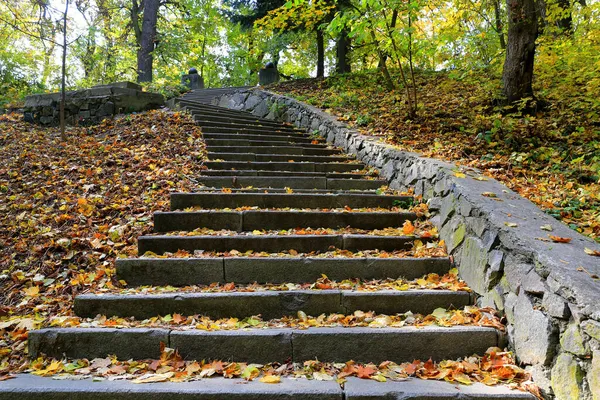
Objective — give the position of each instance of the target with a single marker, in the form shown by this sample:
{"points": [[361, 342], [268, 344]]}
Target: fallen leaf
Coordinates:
{"points": [[558, 239], [270, 379]]}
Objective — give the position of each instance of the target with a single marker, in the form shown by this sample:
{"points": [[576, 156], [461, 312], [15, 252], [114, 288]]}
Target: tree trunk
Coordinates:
{"points": [[499, 25], [63, 135], [320, 53], [343, 50], [520, 50], [145, 51]]}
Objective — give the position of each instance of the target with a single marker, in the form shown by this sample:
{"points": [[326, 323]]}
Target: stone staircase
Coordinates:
{"points": [[267, 176]]}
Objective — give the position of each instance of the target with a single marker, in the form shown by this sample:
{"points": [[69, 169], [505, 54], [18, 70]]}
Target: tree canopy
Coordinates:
{"points": [[228, 41]]}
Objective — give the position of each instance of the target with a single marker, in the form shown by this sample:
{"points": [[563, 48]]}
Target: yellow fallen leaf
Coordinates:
{"points": [[32, 291], [153, 378], [591, 252], [270, 379], [460, 175]]}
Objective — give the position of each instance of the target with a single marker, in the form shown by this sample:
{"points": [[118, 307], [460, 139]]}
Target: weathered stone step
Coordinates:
{"points": [[228, 117], [276, 157], [267, 219], [268, 304], [228, 172], [285, 166], [31, 387], [181, 201], [212, 119], [269, 345], [262, 143], [241, 270], [272, 243], [292, 182], [282, 190], [295, 150], [268, 138], [242, 129], [211, 126]]}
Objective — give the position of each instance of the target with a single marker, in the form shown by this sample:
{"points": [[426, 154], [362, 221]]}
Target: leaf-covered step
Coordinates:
{"points": [[268, 304], [338, 175], [206, 122], [262, 143], [29, 387], [180, 201], [276, 157], [285, 166], [294, 150], [204, 271], [272, 243], [293, 182], [254, 131], [269, 345], [251, 137], [260, 219]]}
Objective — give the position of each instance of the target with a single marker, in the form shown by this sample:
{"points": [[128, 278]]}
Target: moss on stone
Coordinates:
{"points": [[566, 377]]}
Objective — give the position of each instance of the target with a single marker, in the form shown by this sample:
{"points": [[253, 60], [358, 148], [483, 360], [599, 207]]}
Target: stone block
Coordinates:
{"points": [[591, 328], [534, 336], [472, 265], [555, 306], [567, 377], [593, 376], [572, 340]]}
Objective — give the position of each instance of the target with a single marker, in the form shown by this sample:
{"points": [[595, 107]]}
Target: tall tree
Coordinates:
{"points": [[520, 49], [145, 56]]}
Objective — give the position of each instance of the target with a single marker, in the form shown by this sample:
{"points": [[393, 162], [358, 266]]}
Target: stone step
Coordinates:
{"points": [[207, 126], [292, 182], [269, 345], [241, 270], [295, 150], [211, 110], [242, 129], [250, 189], [27, 387], [277, 157], [217, 117], [161, 244], [181, 201], [269, 138], [268, 304], [31, 387], [284, 166], [335, 175], [262, 143], [274, 220]]}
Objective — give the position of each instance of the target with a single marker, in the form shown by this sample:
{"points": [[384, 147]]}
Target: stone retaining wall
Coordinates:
{"points": [[549, 292], [90, 106]]}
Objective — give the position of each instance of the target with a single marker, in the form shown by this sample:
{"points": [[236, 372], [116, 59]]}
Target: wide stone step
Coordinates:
{"points": [[243, 129], [276, 157], [206, 126], [204, 118], [296, 150], [268, 138], [228, 172], [261, 143], [292, 182], [31, 387], [285, 166], [268, 304], [242, 270], [266, 219], [269, 345], [219, 115], [181, 201], [272, 243]]}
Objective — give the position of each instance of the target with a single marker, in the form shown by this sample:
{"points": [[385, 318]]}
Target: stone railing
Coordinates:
{"points": [[90, 106], [549, 292]]}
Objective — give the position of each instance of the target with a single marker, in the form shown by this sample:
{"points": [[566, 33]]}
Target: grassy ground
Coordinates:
{"points": [[552, 158]]}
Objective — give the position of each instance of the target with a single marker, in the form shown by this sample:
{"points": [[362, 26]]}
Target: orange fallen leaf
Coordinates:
{"points": [[558, 239]]}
